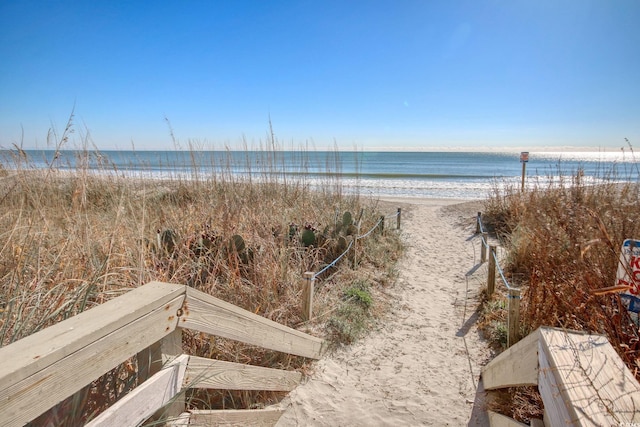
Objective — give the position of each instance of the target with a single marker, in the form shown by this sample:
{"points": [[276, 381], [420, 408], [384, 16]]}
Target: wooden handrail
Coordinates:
{"points": [[42, 369], [581, 378]]}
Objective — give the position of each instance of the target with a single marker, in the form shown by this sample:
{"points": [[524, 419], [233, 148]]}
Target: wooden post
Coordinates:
{"points": [[513, 325], [484, 241], [355, 248], [524, 168], [399, 216], [491, 277], [307, 295], [381, 226], [478, 222], [152, 359]]}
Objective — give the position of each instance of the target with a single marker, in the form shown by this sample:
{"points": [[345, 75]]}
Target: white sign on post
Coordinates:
{"points": [[629, 274]]}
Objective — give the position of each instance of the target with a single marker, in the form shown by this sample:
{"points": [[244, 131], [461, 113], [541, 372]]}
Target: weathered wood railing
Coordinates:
{"points": [[41, 370], [581, 378]]}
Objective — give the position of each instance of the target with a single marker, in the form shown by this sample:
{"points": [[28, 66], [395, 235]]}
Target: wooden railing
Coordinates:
{"points": [[581, 379], [42, 369]]}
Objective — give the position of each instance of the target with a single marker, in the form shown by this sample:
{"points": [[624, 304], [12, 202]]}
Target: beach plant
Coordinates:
{"points": [[75, 236], [563, 245], [359, 293]]}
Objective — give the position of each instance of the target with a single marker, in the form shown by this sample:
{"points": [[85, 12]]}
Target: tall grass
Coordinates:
{"points": [[75, 237], [563, 245], [563, 241]]}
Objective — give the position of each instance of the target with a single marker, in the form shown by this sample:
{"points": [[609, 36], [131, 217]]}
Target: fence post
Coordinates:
{"points": [[399, 216], [484, 241], [478, 222], [152, 359], [381, 226], [491, 276], [513, 319], [355, 248], [307, 295]]}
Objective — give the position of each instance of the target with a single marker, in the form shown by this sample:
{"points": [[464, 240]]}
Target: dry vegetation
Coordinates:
{"points": [[73, 240], [563, 245]]}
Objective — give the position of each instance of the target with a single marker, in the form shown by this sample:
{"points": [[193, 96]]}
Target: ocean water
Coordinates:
{"points": [[459, 175]]}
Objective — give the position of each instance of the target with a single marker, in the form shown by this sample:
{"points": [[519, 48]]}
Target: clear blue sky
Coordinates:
{"points": [[397, 74]]}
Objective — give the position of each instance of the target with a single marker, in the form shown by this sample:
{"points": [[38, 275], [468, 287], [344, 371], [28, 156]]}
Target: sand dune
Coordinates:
{"points": [[421, 364]]}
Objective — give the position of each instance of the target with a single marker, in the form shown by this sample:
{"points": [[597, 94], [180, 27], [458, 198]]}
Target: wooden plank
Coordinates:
{"points": [[181, 420], [35, 352], [159, 354], [240, 417], [211, 315], [516, 366], [513, 316], [499, 420], [589, 380], [30, 397], [147, 398], [152, 360], [308, 284], [555, 406], [217, 374]]}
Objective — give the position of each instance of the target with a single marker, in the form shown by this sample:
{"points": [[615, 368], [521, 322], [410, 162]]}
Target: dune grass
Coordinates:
{"points": [[73, 239], [563, 245]]}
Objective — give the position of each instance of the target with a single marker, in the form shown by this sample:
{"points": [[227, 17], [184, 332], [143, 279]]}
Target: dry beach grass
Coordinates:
{"points": [[75, 239], [72, 240], [562, 248]]}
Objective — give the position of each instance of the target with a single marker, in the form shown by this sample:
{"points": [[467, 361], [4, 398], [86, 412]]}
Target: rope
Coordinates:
{"points": [[504, 280], [333, 263], [392, 216], [370, 231], [495, 257], [480, 225], [485, 243]]}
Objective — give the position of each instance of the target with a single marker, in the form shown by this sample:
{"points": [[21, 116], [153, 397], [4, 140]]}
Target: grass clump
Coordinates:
{"points": [[353, 317], [359, 294], [75, 237], [563, 245]]}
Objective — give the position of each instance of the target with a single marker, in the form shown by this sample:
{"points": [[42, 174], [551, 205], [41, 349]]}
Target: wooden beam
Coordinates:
{"points": [[491, 271], [211, 315], [159, 354], [516, 366], [308, 284], [147, 398], [209, 373], [35, 352], [583, 381], [67, 372], [499, 420], [153, 359], [240, 417], [513, 316]]}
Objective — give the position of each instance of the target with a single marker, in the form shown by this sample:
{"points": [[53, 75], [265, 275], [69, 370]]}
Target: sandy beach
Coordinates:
{"points": [[421, 364]]}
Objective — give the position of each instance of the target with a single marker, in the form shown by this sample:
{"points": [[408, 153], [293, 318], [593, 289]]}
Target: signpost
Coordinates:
{"points": [[524, 158], [628, 274]]}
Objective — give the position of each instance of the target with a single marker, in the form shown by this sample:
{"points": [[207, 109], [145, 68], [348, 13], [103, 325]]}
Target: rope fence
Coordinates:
{"points": [[513, 293], [308, 278]]}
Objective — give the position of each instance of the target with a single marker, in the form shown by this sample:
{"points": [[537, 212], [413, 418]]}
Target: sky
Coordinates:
{"points": [[365, 75]]}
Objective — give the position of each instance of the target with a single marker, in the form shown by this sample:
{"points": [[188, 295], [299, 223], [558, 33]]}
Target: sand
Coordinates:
{"points": [[421, 364]]}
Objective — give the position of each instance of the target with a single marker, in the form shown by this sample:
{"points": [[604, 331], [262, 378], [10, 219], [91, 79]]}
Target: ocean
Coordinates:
{"points": [[456, 175]]}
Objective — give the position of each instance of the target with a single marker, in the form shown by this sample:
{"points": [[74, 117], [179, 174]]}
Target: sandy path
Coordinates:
{"points": [[421, 366]]}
